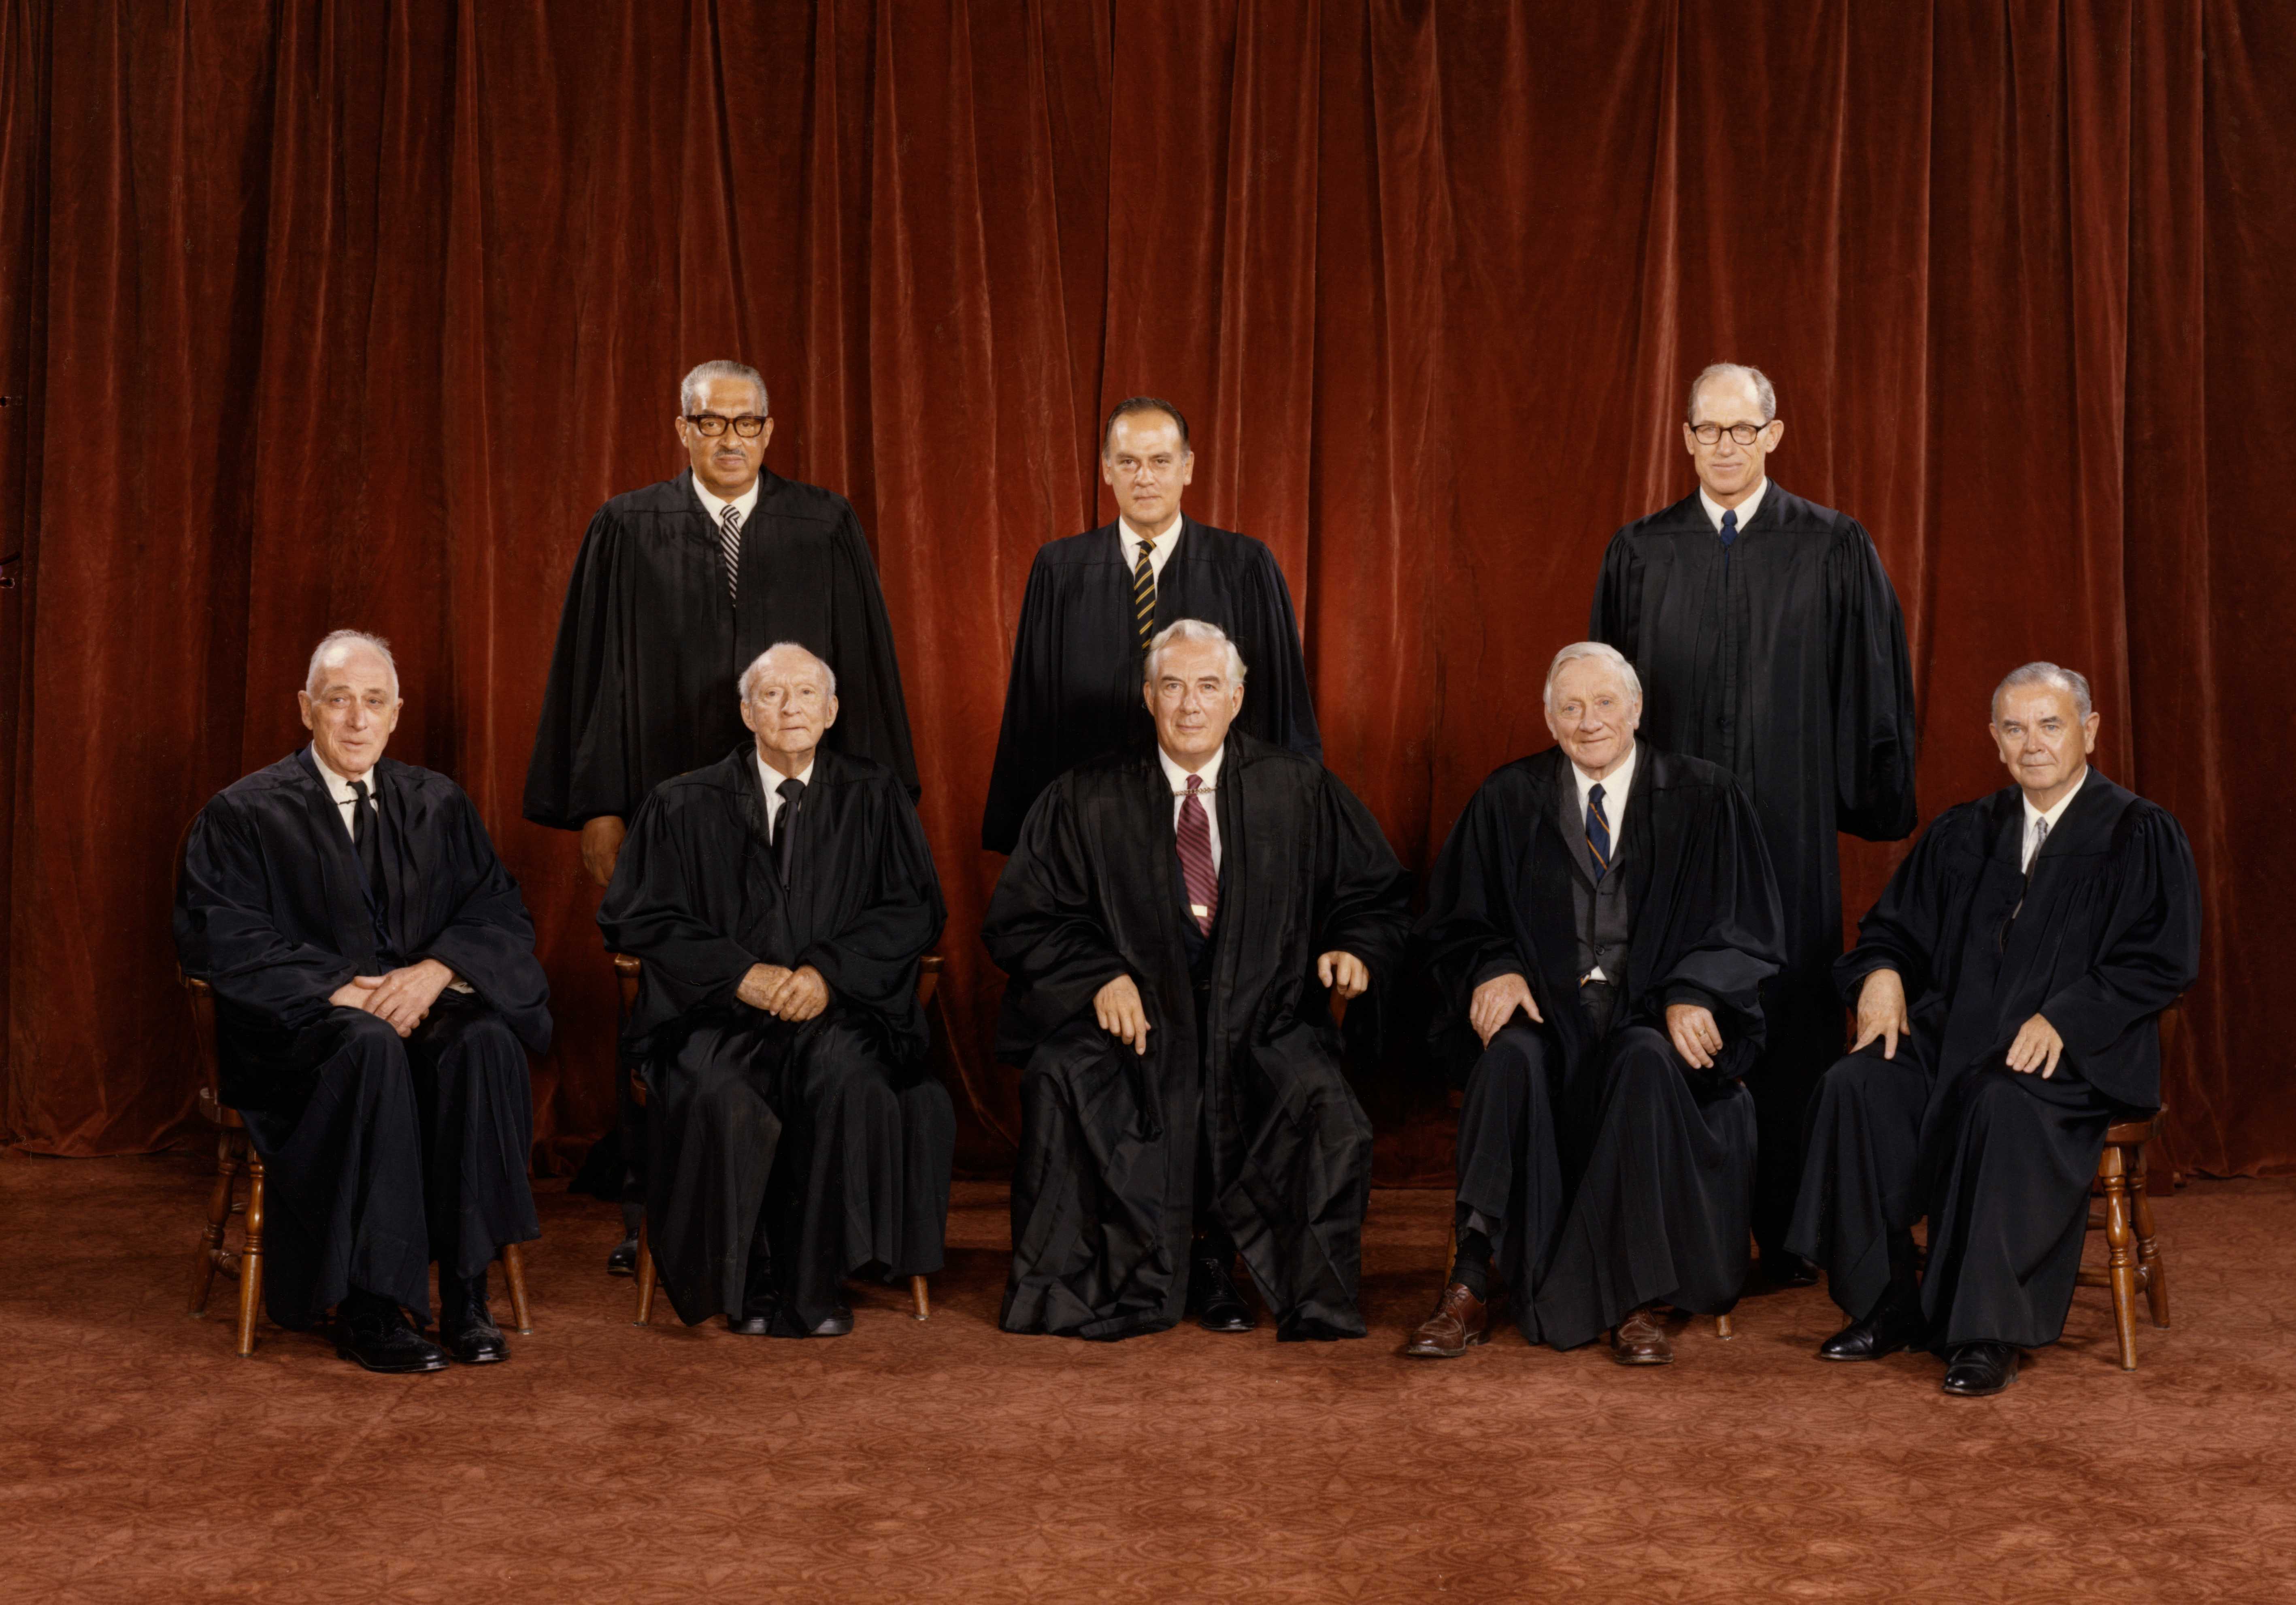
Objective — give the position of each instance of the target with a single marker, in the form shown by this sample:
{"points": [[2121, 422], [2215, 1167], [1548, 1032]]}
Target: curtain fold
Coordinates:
{"points": [[349, 314]]}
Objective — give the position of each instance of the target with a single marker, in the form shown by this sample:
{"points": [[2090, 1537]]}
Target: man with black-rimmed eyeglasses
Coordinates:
{"points": [[675, 588]]}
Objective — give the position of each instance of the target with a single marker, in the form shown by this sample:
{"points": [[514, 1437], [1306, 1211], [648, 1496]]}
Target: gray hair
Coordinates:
{"points": [[1608, 655], [757, 664], [2068, 680], [1764, 393], [1192, 629], [690, 388], [337, 645]]}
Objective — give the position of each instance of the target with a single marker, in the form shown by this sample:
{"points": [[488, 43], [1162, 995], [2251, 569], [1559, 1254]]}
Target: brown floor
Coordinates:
{"points": [[140, 1459]]}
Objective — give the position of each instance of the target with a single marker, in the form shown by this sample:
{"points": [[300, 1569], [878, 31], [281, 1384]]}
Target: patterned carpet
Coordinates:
{"points": [[140, 1459]]}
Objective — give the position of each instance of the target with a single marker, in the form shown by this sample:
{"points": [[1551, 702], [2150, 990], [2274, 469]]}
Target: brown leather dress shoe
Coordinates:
{"points": [[1460, 1322], [1640, 1340]]}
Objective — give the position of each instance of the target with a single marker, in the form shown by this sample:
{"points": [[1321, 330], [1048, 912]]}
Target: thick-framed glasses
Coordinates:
{"points": [[1744, 434], [749, 425]]}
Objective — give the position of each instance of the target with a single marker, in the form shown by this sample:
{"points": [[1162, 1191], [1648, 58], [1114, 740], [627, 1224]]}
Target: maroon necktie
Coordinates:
{"points": [[1196, 858]]}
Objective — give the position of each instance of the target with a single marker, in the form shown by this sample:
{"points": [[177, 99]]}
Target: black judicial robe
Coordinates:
{"points": [[1106, 1190], [2105, 937], [1706, 929], [1783, 660], [1075, 688], [697, 897], [273, 913], [642, 683]]}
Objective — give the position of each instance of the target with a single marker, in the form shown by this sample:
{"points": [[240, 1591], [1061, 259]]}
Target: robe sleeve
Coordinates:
{"points": [[1366, 906], [1043, 928], [873, 714], [1872, 675], [2149, 953], [647, 912], [1740, 941], [582, 767], [488, 940], [1905, 931], [1277, 676], [1023, 747], [1467, 935], [226, 934], [873, 961], [1618, 599]]}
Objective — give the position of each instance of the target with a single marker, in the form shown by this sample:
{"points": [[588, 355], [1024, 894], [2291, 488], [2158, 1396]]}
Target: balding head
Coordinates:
{"points": [[789, 698], [349, 701]]}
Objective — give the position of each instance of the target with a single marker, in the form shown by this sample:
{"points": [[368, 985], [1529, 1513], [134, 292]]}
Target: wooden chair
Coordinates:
{"points": [[2132, 1245], [627, 971]]}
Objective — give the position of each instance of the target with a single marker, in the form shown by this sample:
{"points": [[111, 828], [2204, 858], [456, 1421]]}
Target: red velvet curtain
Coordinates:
{"points": [[350, 312]]}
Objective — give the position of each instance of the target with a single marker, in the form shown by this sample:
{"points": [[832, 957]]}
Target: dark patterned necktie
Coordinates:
{"points": [[1598, 832], [1143, 594], [729, 542], [785, 826], [365, 837], [1196, 858]]}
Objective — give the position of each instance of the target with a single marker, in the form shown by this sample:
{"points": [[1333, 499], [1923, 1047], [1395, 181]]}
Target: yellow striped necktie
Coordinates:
{"points": [[1143, 594]]}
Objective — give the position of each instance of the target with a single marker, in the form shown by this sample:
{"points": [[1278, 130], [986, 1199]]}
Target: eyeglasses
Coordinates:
{"points": [[749, 425], [1744, 434]]}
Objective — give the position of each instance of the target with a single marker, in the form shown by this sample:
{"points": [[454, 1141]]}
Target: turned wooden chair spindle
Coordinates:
{"points": [[2132, 1259], [627, 971]]}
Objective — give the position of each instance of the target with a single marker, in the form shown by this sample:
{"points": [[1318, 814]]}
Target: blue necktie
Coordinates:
{"points": [[1598, 832], [1729, 529]]}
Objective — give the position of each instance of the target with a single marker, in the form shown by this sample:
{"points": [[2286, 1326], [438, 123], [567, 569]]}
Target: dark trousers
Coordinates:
{"points": [[399, 1151], [1999, 1165], [1633, 1188]]}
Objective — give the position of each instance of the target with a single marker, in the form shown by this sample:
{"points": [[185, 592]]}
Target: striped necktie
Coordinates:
{"points": [[729, 542], [1598, 832], [1197, 871], [1144, 593]]}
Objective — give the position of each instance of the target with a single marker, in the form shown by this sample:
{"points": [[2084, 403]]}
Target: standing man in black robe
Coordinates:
{"points": [[1181, 1094], [676, 587], [1770, 642], [1094, 601], [1603, 919], [2009, 985], [781, 899], [376, 996]]}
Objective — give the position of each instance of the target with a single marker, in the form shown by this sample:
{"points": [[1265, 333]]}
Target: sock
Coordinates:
{"points": [[1473, 1268], [633, 1217]]}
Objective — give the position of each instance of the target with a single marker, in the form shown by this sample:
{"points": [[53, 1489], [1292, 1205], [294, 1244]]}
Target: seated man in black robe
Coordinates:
{"points": [[376, 996], [2008, 985], [781, 899], [1181, 1094], [1602, 917]]}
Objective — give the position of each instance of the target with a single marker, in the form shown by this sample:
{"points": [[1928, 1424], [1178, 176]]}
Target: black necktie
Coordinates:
{"points": [[1729, 529], [785, 825], [367, 839]]}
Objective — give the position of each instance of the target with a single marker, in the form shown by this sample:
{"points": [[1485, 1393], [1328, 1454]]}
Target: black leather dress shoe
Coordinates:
{"points": [[1897, 1324], [836, 1323], [466, 1327], [387, 1344], [1785, 1270], [1212, 1295], [624, 1260], [1977, 1369]]}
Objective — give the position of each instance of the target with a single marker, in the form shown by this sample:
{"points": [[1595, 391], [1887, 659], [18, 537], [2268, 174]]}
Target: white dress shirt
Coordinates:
{"points": [[1129, 540], [1178, 777], [1614, 786], [1745, 510], [745, 504], [2034, 816], [339, 789], [772, 779]]}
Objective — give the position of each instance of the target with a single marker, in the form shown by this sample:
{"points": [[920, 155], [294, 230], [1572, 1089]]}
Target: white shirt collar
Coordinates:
{"points": [[1178, 777], [1129, 539], [338, 786], [1615, 786], [2053, 814], [1745, 510], [715, 506], [772, 778]]}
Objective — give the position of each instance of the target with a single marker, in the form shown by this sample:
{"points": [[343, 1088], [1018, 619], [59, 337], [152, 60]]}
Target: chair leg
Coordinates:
{"points": [[514, 1273], [2123, 1268], [921, 1295], [1723, 1329], [203, 1268], [646, 1278], [2152, 1269], [250, 1257]]}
